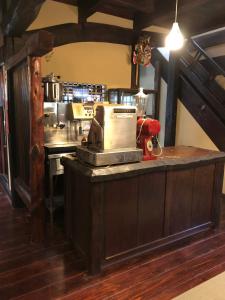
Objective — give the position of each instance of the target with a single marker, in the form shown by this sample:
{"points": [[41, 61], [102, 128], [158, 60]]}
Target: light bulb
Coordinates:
{"points": [[174, 40]]}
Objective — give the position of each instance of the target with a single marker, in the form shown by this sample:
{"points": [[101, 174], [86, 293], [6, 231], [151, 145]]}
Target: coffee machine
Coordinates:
{"points": [[112, 137]]}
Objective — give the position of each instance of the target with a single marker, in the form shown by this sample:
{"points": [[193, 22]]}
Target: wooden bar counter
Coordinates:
{"points": [[115, 212]]}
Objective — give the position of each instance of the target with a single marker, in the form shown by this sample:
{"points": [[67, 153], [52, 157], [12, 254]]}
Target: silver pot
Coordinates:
{"points": [[53, 88]]}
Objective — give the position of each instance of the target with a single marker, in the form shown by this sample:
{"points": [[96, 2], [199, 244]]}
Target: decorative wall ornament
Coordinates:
{"points": [[142, 53]]}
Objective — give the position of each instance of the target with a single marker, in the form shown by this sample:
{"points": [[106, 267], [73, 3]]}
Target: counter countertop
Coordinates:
{"points": [[172, 158]]}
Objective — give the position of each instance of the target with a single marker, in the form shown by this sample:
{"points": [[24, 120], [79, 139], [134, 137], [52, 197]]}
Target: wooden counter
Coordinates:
{"points": [[115, 212]]}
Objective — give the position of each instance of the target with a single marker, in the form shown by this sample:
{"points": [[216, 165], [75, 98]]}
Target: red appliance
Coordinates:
{"points": [[146, 130]]}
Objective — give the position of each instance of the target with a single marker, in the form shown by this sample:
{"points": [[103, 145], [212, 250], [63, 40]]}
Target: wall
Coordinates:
{"points": [[85, 62]]}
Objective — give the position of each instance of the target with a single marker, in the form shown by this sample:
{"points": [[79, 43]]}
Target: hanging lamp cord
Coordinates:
{"points": [[176, 11]]}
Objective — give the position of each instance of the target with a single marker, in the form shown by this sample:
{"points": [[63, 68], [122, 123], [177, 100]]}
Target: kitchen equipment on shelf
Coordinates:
{"points": [[82, 92], [80, 115], [53, 88], [57, 127], [128, 97], [147, 130], [112, 136]]}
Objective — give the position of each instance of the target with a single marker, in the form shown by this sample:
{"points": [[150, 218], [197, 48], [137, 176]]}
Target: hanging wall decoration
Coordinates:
{"points": [[142, 53]]}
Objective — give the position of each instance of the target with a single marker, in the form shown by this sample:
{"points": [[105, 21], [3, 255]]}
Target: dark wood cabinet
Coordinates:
{"points": [[151, 202], [120, 211]]}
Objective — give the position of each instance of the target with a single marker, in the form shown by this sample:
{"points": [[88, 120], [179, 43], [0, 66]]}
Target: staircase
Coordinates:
{"points": [[201, 90]]}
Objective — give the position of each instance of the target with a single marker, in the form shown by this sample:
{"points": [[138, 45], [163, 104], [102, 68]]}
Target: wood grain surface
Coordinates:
{"points": [[55, 271]]}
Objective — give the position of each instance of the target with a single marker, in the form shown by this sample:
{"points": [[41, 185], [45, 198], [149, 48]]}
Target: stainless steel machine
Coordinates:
{"points": [[112, 137], [60, 139], [57, 128], [53, 88]]}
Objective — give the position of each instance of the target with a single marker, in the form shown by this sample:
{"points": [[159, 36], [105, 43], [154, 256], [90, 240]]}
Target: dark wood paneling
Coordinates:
{"points": [[202, 195], [151, 207], [80, 222], [218, 197], [178, 200], [97, 228], [20, 99], [121, 200]]}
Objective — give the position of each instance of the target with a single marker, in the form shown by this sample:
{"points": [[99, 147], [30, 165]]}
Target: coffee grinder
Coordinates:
{"points": [[147, 129]]}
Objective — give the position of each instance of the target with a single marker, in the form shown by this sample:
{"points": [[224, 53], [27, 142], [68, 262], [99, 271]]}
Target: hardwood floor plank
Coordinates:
{"points": [[35, 282], [170, 293], [110, 282], [149, 270], [27, 259], [54, 271], [150, 287], [36, 268]]}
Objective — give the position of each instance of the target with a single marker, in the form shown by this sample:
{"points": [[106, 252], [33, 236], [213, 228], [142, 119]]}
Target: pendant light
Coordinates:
{"points": [[175, 40]]}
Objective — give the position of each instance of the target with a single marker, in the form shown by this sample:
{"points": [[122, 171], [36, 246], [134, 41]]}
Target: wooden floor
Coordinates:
{"points": [[54, 271]]}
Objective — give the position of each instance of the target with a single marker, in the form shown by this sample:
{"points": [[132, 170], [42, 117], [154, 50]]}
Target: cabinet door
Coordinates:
{"points": [[120, 211], [202, 195], [178, 205], [151, 207]]}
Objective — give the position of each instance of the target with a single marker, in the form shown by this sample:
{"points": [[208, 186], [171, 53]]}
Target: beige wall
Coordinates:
{"points": [[190, 133], [85, 62], [91, 63]]}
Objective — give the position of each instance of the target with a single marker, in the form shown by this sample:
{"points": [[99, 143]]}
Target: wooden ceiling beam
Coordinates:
{"points": [[94, 32], [146, 6], [38, 44], [165, 12], [87, 8], [20, 15], [70, 2]]}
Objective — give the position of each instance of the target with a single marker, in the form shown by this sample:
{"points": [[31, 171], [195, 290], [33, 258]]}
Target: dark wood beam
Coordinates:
{"points": [[146, 6], [38, 44], [70, 2], [87, 8], [20, 15], [94, 32], [3, 9], [171, 101]]}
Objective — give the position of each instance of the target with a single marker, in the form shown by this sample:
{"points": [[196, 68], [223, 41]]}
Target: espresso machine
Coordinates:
{"points": [[112, 137]]}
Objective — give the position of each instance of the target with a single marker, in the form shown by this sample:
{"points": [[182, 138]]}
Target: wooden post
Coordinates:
{"points": [[171, 102], [157, 87], [134, 72], [36, 151]]}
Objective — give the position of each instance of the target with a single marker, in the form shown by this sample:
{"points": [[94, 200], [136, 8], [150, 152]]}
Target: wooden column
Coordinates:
{"points": [[134, 72], [171, 102], [157, 87], [36, 150]]}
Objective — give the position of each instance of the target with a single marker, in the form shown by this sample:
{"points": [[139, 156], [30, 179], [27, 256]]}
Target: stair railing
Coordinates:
{"points": [[217, 70]]}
